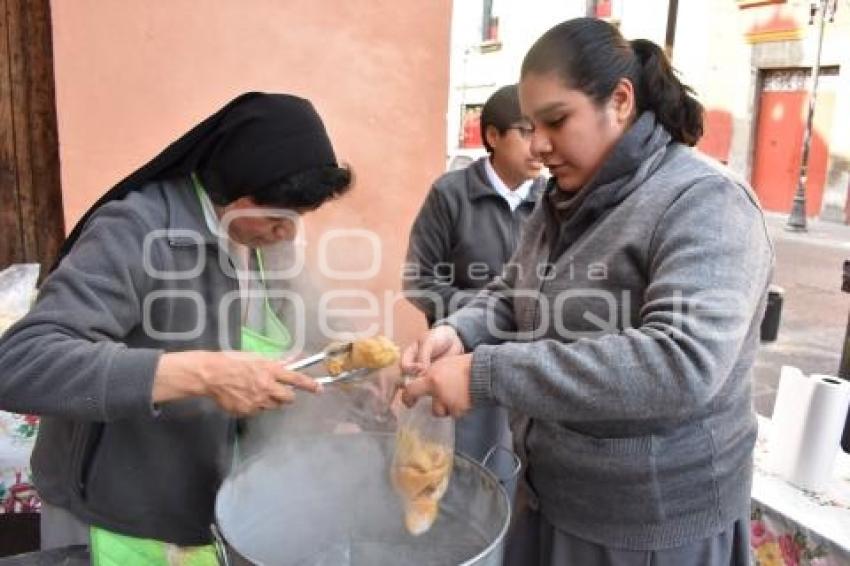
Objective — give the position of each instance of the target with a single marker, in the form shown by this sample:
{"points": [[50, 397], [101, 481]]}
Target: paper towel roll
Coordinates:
{"points": [[808, 419], [786, 423], [821, 436]]}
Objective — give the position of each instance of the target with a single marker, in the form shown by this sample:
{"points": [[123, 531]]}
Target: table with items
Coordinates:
{"points": [[791, 526], [17, 436]]}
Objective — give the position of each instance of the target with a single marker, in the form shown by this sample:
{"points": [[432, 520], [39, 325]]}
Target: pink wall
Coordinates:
{"points": [[132, 75]]}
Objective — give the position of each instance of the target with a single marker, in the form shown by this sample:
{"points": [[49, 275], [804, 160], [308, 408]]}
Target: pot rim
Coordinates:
{"points": [[219, 532]]}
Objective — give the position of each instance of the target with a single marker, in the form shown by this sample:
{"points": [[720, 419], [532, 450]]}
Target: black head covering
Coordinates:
{"points": [[253, 142]]}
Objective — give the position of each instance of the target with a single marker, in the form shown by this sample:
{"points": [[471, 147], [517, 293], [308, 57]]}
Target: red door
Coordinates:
{"points": [[783, 104], [471, 134]]}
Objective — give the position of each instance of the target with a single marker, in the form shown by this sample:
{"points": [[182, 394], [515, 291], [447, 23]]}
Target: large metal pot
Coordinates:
{"points": [[326, 499]]}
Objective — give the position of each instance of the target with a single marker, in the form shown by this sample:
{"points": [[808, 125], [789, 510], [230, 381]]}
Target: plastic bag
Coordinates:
{"points": [[17, 432], [17, 292], [422, 463]]}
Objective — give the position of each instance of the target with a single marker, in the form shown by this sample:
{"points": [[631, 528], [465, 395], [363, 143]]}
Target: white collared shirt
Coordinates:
{"points": [[513, 197]]}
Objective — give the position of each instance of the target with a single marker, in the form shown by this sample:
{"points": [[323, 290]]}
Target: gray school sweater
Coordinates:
{"points": [[463, 235], [622, 337]]}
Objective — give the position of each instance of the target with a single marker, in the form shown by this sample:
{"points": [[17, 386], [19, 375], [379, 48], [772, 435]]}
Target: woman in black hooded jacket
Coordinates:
{"points": [[128, 353]]}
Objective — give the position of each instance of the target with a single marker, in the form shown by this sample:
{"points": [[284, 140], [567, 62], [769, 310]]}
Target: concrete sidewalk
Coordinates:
{"points": [[815, 311]]}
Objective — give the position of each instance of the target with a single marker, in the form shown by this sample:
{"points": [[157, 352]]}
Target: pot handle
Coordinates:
{"points": [[220, 548], [516, 463]]}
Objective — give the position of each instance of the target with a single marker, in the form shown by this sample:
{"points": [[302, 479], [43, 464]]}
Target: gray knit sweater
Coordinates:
{"points": [[622, 336]]}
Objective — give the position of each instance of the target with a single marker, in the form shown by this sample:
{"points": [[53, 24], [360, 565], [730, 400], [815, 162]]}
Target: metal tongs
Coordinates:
{"points": [[330, 352]]}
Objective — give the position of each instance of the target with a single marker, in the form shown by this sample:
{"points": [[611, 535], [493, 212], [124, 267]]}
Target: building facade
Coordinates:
{"points": [[749, 61]]}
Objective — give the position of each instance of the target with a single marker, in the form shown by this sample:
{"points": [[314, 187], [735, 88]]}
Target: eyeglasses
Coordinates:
{"points": [[524, 130]]}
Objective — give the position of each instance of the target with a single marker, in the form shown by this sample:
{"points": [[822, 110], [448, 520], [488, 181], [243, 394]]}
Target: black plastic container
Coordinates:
{"points": [[844, 365], [772, 314]]}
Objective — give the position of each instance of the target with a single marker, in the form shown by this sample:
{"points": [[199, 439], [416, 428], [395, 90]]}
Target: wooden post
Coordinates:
{"points": [[31, 218], [11, 236]]}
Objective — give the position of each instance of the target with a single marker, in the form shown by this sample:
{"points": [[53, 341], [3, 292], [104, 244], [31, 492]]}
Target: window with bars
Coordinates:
{"points": [[470, 134], [608, 10], [490, 22]]}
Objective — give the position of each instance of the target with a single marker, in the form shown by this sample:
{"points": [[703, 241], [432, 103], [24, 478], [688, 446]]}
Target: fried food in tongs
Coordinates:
{"points": [[366, 353], [351, 360]]}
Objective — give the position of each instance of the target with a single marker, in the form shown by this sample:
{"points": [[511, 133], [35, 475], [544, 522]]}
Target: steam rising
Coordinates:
{"points": [[311, 483], [309, 492]]}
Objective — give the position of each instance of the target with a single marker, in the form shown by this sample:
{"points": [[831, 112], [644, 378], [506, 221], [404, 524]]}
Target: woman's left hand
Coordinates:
{"points": [[447, 381]]}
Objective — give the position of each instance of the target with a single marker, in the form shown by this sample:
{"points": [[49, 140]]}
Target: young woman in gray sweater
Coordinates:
{"points": [[622, 333]]}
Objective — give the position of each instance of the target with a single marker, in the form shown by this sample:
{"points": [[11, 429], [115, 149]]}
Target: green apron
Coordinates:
{"points": [[274, 338], [113, 549]]}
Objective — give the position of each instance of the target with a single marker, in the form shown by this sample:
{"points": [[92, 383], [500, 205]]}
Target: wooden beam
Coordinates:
{"points": [[46, 201], [18, 65], [11, 241], [31, 220]]}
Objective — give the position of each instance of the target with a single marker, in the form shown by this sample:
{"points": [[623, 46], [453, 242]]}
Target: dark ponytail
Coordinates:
{"points": [[661, 91], [592, 56]]}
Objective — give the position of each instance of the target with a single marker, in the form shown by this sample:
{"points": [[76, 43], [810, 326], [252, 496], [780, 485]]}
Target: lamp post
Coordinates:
{"points": [[670, 37], [797, 218]]}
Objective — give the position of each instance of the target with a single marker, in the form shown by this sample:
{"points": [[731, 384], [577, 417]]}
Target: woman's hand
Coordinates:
{"points": [[240, 383], [435, 344], [447, 381]]}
